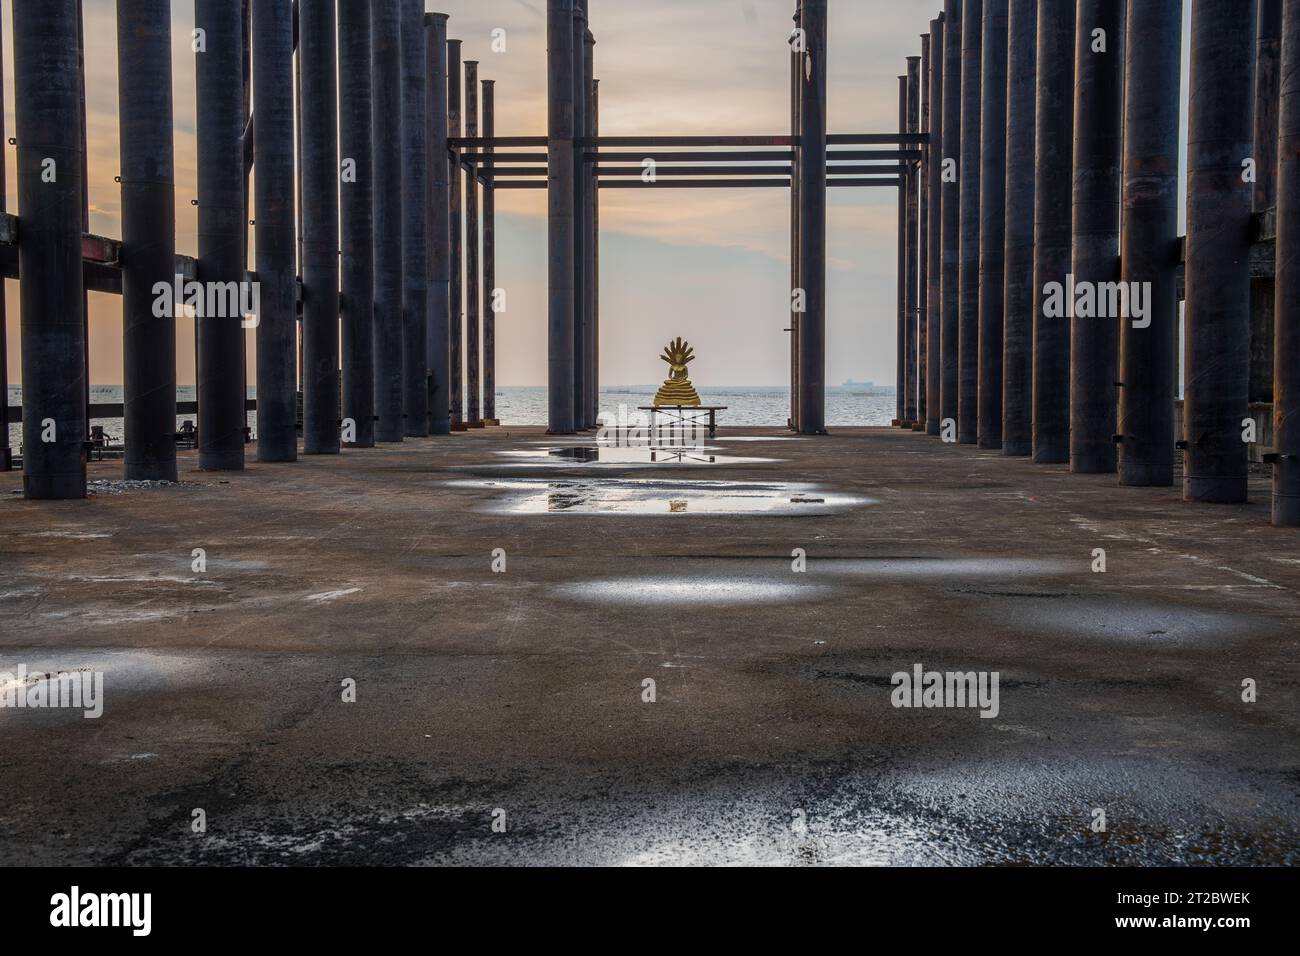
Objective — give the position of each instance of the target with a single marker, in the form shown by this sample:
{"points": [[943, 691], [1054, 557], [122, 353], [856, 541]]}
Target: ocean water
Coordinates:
{"points": [[526, 405]]}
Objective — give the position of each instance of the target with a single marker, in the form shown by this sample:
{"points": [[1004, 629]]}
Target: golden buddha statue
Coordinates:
{"points": [[677, 390]]}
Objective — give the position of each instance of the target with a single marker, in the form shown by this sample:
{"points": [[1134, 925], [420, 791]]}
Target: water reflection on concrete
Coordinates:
{"points": [[705, 590], [623, 455], [627, 496]]}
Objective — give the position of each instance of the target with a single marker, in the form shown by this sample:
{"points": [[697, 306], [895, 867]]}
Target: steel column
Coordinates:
{"points": [[796, 87], [1217, 370], [912, 274], [1053, 141], [148, 176], [489, 265], [1268, 42], [560, 225], [51, 291], [993, 223], [901, 339], [6, 453], [438, 212], [595, 254], [456, 224], [586, 183], [812, 222], [473, 299], [923, 242], [275, 216], [415, 228], [219, 91], [1018, 260], [951, 210], [320, 221], [386, 122], [358, 223], [968, 327], [934, 227], [1286, 377], [1098, 162], [1148, 360], [579, 49]]}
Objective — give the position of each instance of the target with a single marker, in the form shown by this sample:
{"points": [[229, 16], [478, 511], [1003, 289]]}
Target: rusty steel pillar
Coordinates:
{"points": [[489, 262], [386, 120], [1268, 43], [1098, 163], [415, 228], [561, 250], [1220, 131], [1286, 377], [273, 210], [6, 453], [934, 227], [910, 246], [595, 253], [357, 202], [148, 176], [51, 292], [968, 323], [993, 186], [951, 189], [923, 241], [1018, 254], [1148, 359], [438, 212], [812, 222], [456, 225], [473, 275], [219, 90], [320, 216], [1053, 142]]}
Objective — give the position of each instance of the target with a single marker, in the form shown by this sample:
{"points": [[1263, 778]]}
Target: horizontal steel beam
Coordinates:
{"points": [[661, 142], [780, 183], [783, 169]]}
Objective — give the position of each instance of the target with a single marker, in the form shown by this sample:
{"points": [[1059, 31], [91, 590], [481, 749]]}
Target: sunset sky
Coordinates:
{"points": [[712, 266]]}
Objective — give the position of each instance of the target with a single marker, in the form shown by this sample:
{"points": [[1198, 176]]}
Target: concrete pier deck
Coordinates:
{"points": [[771, 737]]}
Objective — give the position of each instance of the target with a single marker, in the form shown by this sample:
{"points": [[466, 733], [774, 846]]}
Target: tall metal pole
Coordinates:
{"points": [[219, 90], [560, 225], [588, 418], [595, 255], [276, 222], [993, 222], [148, 237], [456, 290], [358, 222], [438, 212], [1286, 377], [386, 121], [902, 338], [1098, 162], [415, 228], [951, 209], [934, 228], [1149, 252], [1268, 43], [579, 49], [1053, 139], [489, 263], [47, 106], [923, 243], [320, 218], [812, 222], [968, 328], [796, 88], [1018, 260], [6, 453], [1218, 250], [911, 247], [473, 361]]}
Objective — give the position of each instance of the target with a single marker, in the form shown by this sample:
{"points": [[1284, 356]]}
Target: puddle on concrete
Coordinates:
{"points": [[619, 496], [623, 456], [671, 590], [906, 568], [1126, 622]]}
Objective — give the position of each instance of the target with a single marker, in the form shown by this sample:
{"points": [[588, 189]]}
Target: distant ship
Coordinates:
{"points": [[868, 388]]}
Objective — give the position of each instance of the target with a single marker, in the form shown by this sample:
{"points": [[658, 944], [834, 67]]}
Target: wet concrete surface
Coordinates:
{"points": [[484, 696]]}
